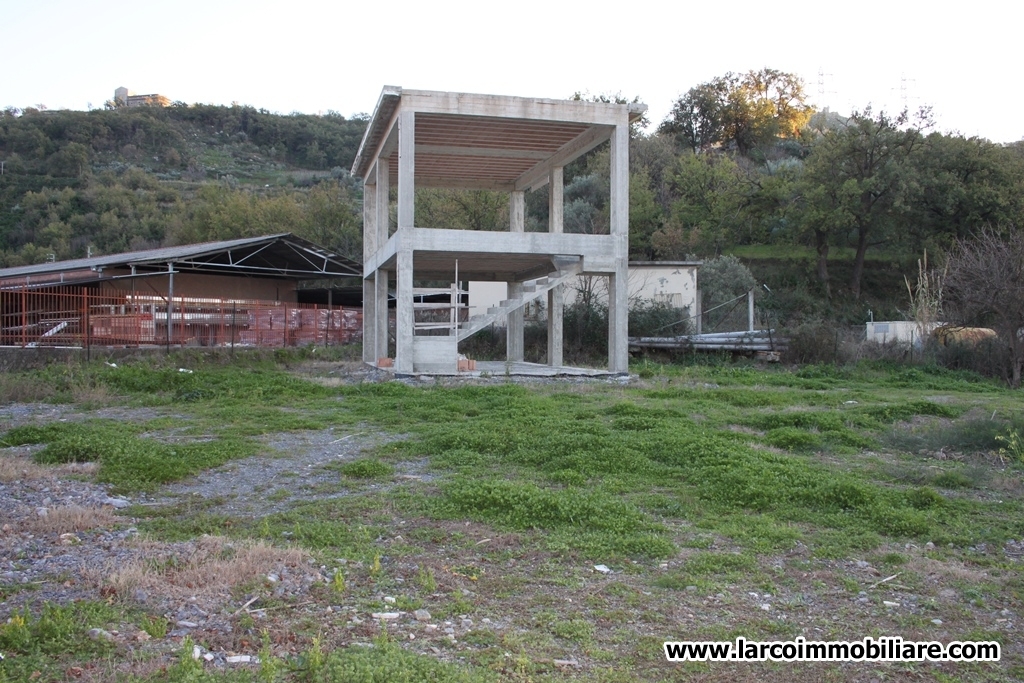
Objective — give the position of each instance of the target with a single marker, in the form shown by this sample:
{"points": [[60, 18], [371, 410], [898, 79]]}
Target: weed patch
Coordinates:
{"points": [[367, 468]]}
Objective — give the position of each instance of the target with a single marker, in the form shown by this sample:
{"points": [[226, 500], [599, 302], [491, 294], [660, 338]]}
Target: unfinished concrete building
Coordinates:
{"points": [[514, 144]]}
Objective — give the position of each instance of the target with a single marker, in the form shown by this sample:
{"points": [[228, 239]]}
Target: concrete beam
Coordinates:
{"points": [[485, 152], [383, 255], [499, 106], [466, 183], [539, 175], [597, 249], [388, 141]]}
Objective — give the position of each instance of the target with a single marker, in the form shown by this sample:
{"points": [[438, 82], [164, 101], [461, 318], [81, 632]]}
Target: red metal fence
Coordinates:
{"points": [[89, 316]]}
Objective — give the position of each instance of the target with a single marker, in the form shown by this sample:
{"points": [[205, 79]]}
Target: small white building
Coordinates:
{"points": [[669, 282], [898, 331]]}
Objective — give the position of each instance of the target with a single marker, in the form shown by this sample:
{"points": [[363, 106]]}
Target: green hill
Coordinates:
{"points": [[112, 180]]}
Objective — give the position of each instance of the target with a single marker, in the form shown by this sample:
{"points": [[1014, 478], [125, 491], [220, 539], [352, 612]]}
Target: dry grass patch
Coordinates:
{"points": [[71, 518], [21, 468], [210, 565], [945, 571]]}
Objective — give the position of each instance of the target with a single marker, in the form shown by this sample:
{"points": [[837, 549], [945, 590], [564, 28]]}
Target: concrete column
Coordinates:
{"points": [[618, 293], [618, 315], [382, 202], [556, 296], [517, 212], [369, 220], [556, 311], [406, 169], [556, 202], [369, 249], [404, 313], [516, 324], [369, 319], [381, 316]]}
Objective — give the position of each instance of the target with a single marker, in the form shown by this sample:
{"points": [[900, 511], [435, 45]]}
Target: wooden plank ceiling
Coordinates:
{"points": [[476, 151]]}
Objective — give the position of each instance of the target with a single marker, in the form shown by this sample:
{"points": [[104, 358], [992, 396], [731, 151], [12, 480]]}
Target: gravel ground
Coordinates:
{"points": [[296, 469], [62, 539]]}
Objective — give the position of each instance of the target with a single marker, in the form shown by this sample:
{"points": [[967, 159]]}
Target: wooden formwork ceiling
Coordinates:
{"points": [[486, 141], [477, 151]]}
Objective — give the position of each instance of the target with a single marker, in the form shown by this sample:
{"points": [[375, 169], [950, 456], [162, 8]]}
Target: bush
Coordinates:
{"points": [[812, 343]]}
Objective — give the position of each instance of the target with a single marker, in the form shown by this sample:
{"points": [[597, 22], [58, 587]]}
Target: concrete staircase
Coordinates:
{"points": [[566, 268]]}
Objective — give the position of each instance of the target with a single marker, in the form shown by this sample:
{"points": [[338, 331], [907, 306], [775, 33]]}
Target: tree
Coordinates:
{"points": [[722, 280], [858, 179], [748, 111], [645, 216], [963, 184], [984, 286], [710, 207]]}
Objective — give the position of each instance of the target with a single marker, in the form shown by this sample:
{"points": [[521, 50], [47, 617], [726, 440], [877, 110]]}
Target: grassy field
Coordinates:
{"points": [[564, 530]]}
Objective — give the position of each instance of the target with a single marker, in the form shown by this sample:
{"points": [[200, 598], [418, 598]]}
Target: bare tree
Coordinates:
{"points": [[984, 286]]}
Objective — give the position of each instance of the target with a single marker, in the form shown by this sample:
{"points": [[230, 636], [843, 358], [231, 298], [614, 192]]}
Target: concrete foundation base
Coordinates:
{"points": [[499, 368]]}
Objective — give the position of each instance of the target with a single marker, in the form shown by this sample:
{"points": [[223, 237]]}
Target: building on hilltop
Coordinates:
{"points": [[126, 98]]}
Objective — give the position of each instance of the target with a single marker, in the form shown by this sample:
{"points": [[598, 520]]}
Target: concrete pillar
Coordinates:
{"points": [[369, 249], [618, 313], [618, 294], [516, 323], [406, 169], [556, 296], [382, 332], [369, 319], [404, 313], [382, 203], [556, 311]]}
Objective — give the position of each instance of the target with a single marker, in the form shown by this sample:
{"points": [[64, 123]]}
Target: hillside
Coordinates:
{"points": [[112, 180]]}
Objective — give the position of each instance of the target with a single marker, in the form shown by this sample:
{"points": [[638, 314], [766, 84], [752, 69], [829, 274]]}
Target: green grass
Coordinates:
{"points": [[367, 468], [48, 642], [735, 465], [129, 462]]}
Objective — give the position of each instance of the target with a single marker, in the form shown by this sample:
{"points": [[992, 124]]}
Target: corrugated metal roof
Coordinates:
{"points": [[186, 255]]}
